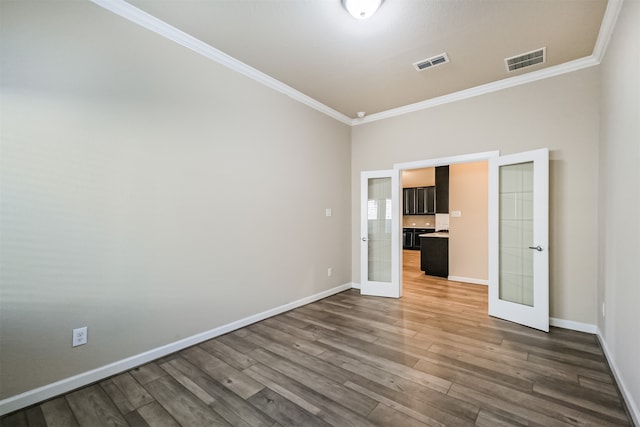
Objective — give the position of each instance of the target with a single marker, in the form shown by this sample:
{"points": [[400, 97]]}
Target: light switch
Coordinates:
{"points": [[456, 214], [328, 211]]}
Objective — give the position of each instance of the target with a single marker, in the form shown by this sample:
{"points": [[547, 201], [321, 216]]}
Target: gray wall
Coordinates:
{"points": [[560, 113], [619, 237], [149, 194]]}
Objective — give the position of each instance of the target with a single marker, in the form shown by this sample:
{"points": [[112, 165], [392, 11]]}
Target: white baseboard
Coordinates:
{"points": [[469, 280], [574, 326], [631, 405], [355, 285], [48, 391]]}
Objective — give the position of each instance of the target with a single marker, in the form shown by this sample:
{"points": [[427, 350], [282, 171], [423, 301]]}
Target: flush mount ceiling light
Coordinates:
{"points": [[361, 9]]}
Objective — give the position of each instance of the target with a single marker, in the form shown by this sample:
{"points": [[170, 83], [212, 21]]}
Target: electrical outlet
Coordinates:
{"points": [[79, 336], [603, 313], [329, 272]]}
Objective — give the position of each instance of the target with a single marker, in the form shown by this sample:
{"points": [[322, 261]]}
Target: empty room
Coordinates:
{"points": [[319, 212]]}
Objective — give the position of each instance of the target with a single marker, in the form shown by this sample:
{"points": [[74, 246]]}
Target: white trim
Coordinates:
{"points": [[48, 391], [545, 73], [574, 326], [355, 285], [606, 29], [145, 20], [469, 280], [593, 329], [631, 405], [447, 161], [150, 22]]}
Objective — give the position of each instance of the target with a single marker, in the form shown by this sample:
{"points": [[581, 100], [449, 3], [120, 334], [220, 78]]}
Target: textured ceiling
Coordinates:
{"points": [[350, 65]]}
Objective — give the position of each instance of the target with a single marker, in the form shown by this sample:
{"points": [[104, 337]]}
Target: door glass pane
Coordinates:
{"points": [[379, 229], [516, 233]]}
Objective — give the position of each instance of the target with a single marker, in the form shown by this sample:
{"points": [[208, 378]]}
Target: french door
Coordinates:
{"points": [[380, 233], [518, 238]]}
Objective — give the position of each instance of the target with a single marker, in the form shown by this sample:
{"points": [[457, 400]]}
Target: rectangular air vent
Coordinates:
{"points": [[528, 59], [431, 62]]}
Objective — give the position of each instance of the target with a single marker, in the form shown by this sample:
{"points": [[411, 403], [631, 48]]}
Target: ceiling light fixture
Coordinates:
{"points": [[361, 9]]}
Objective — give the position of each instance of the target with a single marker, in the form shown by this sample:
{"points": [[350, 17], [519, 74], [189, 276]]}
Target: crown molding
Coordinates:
{"points": [[606, 29], [545, 73], [137, 16], [150, 22]]}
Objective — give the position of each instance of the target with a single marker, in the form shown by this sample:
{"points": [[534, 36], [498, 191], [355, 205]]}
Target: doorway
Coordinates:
{"points": [[518, 233], [472, 236], [458, 227], [518, 212]]}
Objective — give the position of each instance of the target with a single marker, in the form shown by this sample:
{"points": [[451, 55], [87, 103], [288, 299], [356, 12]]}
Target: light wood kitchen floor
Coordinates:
{"points": [[433, 357]]}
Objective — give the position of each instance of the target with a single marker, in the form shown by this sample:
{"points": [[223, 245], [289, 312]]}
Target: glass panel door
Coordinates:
{"points": [[516, 233], [518, 238], [379, 229], [380, 234]]}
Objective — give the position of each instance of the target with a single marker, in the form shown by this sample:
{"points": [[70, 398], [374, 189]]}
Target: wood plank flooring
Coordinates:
{"points": [[431, 358]]}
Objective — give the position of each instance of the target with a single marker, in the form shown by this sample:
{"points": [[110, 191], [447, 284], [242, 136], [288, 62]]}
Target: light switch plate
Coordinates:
{"points": [[328, 211], [456, 214]]}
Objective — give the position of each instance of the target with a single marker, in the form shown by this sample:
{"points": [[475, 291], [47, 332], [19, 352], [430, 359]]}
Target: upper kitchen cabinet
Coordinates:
{"points": [[419, 201], [426, 200], [409, 201], [442, 189]]}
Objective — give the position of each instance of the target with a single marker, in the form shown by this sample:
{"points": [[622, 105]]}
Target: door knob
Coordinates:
{"points": [[537, 248], [364, 239]]}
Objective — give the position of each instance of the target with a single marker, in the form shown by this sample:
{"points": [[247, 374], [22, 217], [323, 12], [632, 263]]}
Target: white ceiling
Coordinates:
{"points": [[350, 65]]}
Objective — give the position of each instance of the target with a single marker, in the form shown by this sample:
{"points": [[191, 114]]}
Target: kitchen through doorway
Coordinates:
{"points": [[445, 222]]}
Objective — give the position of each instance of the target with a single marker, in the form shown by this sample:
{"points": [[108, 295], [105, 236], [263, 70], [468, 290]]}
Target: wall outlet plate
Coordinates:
{"points": [[79, 336]]}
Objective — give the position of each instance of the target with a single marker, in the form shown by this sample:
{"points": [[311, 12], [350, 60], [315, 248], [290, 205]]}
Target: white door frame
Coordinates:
{"points": [[442, 161]]}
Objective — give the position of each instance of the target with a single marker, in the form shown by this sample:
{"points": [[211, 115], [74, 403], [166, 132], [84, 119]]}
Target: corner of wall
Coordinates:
{"points": [[633, 409]]}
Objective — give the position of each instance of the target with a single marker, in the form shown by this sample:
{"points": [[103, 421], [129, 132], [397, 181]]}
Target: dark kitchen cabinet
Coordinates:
{"points": [[419, 201], [442, 189], [409, 201], [411, 239], [426, 200], [434, 256], [416, 236], [407, 238]]}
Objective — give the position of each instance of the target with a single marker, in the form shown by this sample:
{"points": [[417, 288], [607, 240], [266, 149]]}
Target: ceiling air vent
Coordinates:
{"points": [[528, 59], [431, 62]]}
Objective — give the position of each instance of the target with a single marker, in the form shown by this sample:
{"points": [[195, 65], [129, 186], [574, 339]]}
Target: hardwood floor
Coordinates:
{"points": [[432, 358]]}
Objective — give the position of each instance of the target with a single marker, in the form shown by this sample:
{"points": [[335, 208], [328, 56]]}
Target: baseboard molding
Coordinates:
{"points": [[574, 326], [469, 280], [48, 391], [355, 285], [631, 405]]}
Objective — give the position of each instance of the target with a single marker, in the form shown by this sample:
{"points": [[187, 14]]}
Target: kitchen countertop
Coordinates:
{"points": [[440, 234], [425, 227]]}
